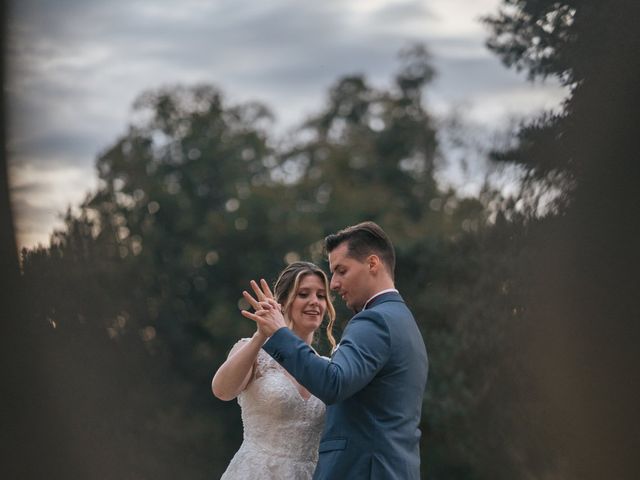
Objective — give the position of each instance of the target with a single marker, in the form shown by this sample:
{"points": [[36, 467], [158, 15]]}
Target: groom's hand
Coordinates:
{"points": [[268, 314]]}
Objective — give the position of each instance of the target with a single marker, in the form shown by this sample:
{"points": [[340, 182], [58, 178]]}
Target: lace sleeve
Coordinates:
{"points": [[263, 361], [237, 345]]}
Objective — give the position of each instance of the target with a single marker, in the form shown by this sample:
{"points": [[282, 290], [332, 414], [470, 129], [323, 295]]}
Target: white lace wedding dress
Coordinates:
{"points": [[281, 429]]}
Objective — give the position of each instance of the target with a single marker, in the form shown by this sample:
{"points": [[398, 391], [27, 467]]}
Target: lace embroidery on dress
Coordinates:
{"points": [[281, 430]]}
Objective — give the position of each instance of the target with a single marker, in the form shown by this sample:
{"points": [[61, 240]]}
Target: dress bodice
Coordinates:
{"points": [[281, 428]]}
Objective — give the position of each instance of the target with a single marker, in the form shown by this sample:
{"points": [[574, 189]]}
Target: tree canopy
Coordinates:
{"points": [[137, 297]]}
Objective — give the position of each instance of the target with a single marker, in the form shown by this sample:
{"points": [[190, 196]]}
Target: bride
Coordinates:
{"points": [[282, 421]]}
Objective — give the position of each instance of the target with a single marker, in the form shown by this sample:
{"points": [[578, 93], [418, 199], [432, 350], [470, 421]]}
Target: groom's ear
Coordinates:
{"points": [[374, 263]]}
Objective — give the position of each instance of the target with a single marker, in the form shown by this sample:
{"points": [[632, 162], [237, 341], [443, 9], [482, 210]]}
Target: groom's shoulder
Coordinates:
{"points": [[393, 311], [383, 310], [391, 303], [371, 316]]}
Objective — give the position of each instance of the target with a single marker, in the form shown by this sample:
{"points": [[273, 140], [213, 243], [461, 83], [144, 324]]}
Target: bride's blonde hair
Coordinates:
{"points": [[286, 288]]}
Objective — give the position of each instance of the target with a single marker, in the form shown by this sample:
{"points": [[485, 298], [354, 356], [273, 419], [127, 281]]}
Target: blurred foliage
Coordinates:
{"points": [[589, 47], [138, 294], [581, 321], [141, 289]]}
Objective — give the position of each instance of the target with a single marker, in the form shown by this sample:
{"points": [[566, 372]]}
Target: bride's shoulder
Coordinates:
{"points": [[238, 345], [265, 364], [242, 341]]}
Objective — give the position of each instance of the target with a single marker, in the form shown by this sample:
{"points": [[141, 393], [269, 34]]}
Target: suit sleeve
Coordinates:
{"points": [[363, 351]]}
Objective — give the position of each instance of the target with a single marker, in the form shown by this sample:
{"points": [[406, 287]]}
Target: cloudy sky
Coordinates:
{"points": [[75, 67]]}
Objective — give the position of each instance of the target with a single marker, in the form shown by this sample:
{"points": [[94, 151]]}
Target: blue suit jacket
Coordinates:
{"points": [[373, 386]]}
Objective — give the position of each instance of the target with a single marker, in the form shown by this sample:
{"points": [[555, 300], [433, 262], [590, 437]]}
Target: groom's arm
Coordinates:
{"points": [[362, 352]]}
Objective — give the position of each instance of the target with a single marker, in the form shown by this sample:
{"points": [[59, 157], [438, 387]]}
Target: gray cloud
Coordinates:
{"points": [[62, 149], [75, 66], [26, 189], [401, 12], [34, 224]]}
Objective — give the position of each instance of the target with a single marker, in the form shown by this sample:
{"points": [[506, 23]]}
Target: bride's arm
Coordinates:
{"points": [[235, 373]]}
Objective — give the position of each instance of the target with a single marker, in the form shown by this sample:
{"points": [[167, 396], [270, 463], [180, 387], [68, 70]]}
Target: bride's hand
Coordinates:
{"points": [[262, 292], [268, 313], [263, 295]]}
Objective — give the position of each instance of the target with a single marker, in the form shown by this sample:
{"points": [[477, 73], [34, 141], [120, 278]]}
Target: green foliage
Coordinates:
{"points": [[137, 296], [582, 304], [591, 48], [195, 200]]}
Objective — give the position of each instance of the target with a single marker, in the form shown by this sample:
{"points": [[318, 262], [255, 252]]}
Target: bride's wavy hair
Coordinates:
{"points": [[286, 288]]}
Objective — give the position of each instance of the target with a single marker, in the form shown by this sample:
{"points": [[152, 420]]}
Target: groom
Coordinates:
{"points": [[374, 383]]}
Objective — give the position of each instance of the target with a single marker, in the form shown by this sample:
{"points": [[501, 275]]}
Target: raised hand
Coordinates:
{"points": [[263, 292], [268, 315]]}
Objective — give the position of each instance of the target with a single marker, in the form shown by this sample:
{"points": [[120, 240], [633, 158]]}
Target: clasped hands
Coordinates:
{"points": [[268, 313]]}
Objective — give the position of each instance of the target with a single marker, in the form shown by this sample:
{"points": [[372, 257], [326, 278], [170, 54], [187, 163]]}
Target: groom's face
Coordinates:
{"points": [[349, 277]]}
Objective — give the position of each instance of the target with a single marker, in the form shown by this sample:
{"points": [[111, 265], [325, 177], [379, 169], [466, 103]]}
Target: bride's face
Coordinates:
{"points": [[309, 305]]}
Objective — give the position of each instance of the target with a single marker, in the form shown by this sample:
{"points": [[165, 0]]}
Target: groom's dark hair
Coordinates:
{"points": [[364, 239]]}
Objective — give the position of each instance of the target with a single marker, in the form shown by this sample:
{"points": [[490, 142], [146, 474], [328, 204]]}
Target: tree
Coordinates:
{"points": [[195, 199], [581, 326]]}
